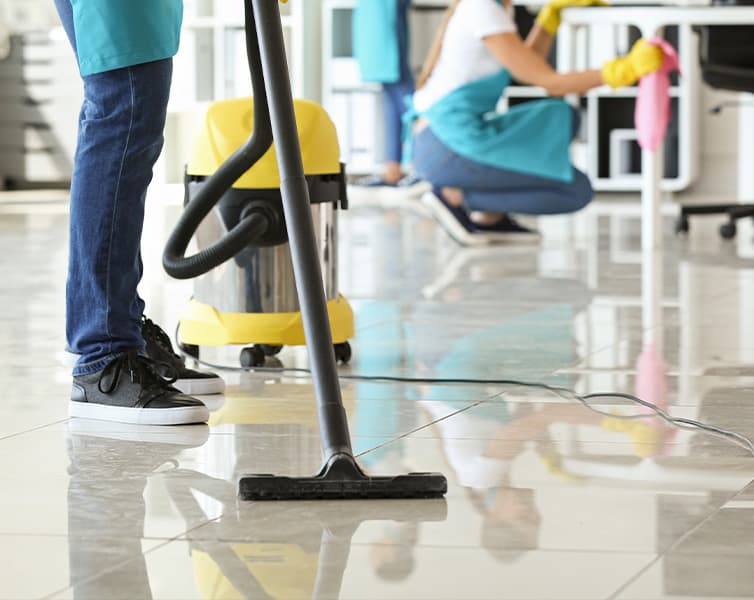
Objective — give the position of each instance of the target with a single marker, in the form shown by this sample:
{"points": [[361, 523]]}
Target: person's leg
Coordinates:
{"points": [[394, 100], [491, 190], [120, 138], [431, 159], [527, 195], [579, 193], [394, 106]]}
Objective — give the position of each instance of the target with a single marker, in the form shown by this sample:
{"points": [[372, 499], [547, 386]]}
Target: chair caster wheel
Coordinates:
{"points": [[682, 225], [343, 353], [728, 231], [253, 356]]}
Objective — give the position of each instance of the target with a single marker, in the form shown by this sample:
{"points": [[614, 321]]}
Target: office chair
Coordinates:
{"points": [[727, 63]]}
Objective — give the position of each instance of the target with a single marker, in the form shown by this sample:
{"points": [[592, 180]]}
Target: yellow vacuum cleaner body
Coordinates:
{"points": [[252, 299]]}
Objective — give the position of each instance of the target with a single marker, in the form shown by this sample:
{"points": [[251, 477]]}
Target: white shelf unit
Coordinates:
{"points": [[211, 65], [607, 122], [351, 104], [682, 141], [40, 96]]}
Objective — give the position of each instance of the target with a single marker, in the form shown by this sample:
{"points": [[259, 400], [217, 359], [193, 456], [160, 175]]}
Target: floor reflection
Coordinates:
{"points": [[546, 498], [109, 468], [237, 549]]}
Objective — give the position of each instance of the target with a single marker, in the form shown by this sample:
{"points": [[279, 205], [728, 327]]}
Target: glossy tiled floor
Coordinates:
{"points": [[546, 500]]}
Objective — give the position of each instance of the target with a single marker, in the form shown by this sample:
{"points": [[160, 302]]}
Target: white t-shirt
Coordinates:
{"points": [[464, 57]]}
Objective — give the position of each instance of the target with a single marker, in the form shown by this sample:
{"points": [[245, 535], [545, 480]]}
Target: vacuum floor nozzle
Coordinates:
{"points": [[341, 479]]}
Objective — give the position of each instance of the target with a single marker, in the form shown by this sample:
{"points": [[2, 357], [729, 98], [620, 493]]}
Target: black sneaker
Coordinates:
{"points": [[509, 227], [130, 390], [161, 351], [455, 220]]}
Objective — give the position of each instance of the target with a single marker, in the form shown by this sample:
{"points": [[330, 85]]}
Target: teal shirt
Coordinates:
{"points": [[375, 40], [112, 34]]}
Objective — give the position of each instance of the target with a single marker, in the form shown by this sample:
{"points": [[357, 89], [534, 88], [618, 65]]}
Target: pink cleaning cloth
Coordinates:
{"points": [[653, 102], [651, 379], [652, 386]]}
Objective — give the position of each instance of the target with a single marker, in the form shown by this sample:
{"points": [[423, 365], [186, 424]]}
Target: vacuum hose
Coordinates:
{"points": [[255, 223]]}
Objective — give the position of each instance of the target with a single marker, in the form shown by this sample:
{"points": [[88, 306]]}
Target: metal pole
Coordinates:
{"points": [[297, 209]]}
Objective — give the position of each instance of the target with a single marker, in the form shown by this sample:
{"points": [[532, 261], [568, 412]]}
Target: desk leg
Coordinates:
{"points": [[651, 234], [566, 54], [652, 248]]}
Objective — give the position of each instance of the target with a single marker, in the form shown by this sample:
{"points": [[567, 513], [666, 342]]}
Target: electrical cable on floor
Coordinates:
{"points": [[562, 392]]}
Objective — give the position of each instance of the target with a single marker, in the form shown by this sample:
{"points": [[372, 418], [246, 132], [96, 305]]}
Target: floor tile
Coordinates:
{"points": [[697, 576], [328, 569], [546, 498], [82, 482]]}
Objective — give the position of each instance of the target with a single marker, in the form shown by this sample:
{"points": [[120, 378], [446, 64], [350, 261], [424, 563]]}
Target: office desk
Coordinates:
{"points": [[651, 20]]}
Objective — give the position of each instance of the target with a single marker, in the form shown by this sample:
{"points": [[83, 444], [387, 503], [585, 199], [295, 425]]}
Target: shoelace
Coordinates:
{"points": [[155, 333], [141, 370]]}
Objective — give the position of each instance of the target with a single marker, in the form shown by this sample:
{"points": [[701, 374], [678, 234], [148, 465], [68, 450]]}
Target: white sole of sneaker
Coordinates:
{"points": [[188, 436], [200, 387], [139, 416], [511, 237], [450, 224]]}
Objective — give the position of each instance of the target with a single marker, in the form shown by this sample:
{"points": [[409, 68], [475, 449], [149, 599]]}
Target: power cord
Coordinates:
{"points": [[562, 392]]}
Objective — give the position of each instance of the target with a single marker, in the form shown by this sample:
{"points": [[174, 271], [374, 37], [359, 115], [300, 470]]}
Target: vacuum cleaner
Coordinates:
{"points": [[253, 221], [252, 298]]}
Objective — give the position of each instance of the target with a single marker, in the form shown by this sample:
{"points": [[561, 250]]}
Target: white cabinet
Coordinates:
{"points": [[40, 97]]}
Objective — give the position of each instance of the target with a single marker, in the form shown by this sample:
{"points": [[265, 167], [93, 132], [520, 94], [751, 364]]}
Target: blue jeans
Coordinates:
{"points": [[120, 138], [394, 94], [489, 189]]}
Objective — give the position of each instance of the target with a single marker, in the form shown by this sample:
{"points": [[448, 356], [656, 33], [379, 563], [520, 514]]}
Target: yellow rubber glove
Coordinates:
{"points": [[549, 17], [643, 59]]}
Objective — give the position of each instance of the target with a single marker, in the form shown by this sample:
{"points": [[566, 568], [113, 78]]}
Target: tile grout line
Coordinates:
{"points": [[176, 538], [493, 396], [19, 433], [422, 427], [674, 545]]}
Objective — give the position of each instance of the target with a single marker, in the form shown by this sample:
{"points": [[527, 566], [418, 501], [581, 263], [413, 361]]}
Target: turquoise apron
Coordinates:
{"points": [[111, 34], [375, 40], [532, 138]]}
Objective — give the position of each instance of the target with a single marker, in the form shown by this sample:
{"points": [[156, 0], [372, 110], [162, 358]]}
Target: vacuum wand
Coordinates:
{"points": [[340, 476], [295, 194]]}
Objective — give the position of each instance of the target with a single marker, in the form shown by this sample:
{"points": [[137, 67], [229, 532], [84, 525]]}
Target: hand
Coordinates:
{"points": [[643, 59], [549, 17]]}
